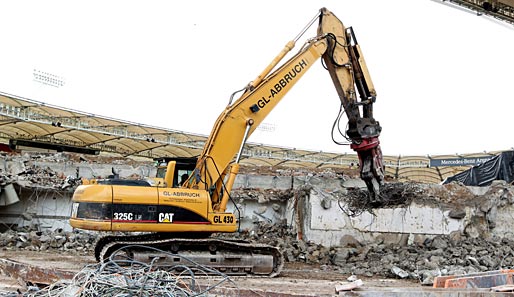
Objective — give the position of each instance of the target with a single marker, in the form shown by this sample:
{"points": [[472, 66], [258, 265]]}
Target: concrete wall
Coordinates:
{"points": [[317, 217], [94, 170], [40, 207]]}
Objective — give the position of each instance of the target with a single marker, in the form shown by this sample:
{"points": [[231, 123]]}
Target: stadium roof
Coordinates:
{"points": [[29, 123], [501, 10]]}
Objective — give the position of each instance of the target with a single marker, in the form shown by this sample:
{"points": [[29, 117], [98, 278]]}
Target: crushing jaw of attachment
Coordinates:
{"points": [[371, 166]]}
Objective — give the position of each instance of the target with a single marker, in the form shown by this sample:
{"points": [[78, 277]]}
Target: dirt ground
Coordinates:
{"points": [[297, 279]]}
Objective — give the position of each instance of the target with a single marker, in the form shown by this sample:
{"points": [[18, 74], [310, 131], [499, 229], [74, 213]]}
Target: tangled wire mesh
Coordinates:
{"points": [[356, 200], [121, 276]]}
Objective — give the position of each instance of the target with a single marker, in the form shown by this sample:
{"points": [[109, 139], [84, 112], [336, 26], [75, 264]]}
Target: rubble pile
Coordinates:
{"points": [[76, 242], [283, 236], [422, 258], [287, 171], [419, 260], [452, 196], [35, 176], [442, 255], [262, 195], [29, 170], [25, 170]]}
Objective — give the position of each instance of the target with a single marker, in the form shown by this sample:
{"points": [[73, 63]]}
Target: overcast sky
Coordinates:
{"points": [[443, 76]]}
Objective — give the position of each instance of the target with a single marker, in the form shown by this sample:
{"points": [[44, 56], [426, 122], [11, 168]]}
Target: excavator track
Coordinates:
{"points": [[230, 257]]}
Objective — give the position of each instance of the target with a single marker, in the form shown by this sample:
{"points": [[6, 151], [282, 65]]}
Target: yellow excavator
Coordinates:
{"points": [[180, 218]]}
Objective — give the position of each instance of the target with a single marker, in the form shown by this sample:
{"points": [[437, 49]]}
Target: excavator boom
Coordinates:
{"points": [[345, 63]]}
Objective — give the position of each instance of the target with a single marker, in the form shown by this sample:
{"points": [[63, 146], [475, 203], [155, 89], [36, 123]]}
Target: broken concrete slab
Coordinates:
{"points": [[486, 279]]}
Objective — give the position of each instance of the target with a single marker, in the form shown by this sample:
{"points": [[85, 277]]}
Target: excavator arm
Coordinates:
{"points": [[216, 168], [345, 63]]}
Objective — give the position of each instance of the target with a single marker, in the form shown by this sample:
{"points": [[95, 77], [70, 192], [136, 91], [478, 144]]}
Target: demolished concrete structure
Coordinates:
{"points": [[320, 217]]}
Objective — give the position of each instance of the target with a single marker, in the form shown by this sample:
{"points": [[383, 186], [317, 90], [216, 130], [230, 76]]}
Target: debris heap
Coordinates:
{"points": [[474, 249], [441, 255]]}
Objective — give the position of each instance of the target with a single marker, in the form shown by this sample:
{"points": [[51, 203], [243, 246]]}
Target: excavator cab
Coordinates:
{"points": [[173, 171]]}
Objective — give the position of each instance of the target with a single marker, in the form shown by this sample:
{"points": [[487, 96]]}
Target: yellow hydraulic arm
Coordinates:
{"points": [[345, 63]]}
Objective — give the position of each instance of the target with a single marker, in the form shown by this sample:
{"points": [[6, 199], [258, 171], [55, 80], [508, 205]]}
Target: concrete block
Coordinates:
{"points": [[354, 183], [413, 219], [325, 219], [442, 281], [263, 182], [504, 226], [478, 190], [482, 281]]}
